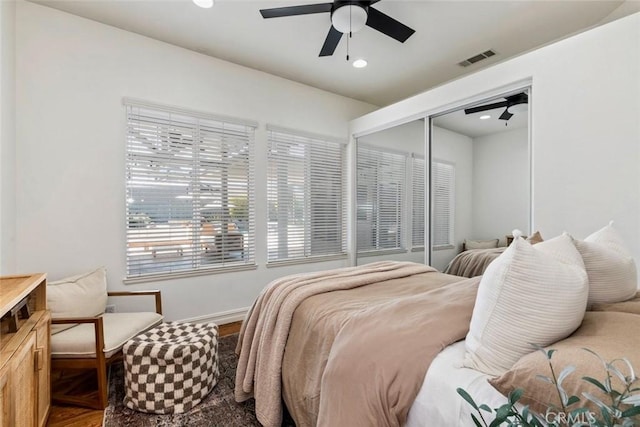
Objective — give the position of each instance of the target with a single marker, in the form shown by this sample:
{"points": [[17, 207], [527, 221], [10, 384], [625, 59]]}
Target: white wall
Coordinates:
{"points": [[7, 138], [459, 150], [408, 138], [585, 126], [500, 184], [72, 74]]}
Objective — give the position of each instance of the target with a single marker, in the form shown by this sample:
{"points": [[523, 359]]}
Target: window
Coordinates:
{"points": [[381, 182], [189, 192], [417, 211], [306, 196], [443, 203]]}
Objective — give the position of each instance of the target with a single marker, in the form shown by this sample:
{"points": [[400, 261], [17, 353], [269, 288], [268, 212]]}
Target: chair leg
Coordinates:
{"points": [[103, 386]]}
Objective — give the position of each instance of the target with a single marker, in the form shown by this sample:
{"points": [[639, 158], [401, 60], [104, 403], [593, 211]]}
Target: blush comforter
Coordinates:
{"points": [[473, 262], [349, 346]]}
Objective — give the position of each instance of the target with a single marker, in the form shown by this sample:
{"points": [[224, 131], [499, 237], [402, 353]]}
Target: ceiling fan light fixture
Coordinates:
{"points": [[349, 18], [485, 117], [519, 108], [205, 4], [359, 63]]}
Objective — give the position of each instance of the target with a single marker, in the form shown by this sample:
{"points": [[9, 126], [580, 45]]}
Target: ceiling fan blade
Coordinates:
{"points": [[306, 9], [331, 42], [389, 26], [487, 107], [506, 115], [520, 98]]}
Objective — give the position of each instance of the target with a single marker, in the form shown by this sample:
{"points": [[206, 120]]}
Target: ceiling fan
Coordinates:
{"points": [[346, 17], [510, 101]]}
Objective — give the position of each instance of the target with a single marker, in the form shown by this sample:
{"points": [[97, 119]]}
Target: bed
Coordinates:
{"points": [[382, 344], [472, 262], [364, 338]]}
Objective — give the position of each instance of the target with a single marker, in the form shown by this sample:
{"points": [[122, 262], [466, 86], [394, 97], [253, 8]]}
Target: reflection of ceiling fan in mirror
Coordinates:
{"points": [[512, 104], [346, 17]]}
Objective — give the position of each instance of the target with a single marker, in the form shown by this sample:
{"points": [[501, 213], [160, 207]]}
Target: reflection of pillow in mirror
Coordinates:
{"points": [[481, 244], [535, 238]]}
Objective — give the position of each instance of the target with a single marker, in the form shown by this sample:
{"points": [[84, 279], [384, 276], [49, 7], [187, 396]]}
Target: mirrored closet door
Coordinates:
{"points": [[390, 193], [481, 178]]}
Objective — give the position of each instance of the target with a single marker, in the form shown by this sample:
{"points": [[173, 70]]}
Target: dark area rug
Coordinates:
{"points": [[217, 409]]}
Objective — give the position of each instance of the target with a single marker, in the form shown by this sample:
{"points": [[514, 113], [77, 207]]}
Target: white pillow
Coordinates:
{"points": [[610, 267], [528, 295], [481, 244], [84, 295]]}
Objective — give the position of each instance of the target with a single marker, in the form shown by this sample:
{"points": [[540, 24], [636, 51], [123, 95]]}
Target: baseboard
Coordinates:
{"points": [[221, 318]]}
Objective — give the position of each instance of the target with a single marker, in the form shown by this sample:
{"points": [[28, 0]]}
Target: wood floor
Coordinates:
{"points": [[71, 416]]}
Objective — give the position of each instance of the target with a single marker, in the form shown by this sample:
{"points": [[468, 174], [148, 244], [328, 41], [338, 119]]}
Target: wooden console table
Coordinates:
{"points": [[25, 353]]}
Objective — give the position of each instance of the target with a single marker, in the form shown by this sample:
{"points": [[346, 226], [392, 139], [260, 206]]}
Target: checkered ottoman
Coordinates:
{"points": [[171, 368]]}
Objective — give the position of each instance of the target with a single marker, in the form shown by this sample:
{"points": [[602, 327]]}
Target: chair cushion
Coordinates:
{"points": [[84, 295], [79, 340]]}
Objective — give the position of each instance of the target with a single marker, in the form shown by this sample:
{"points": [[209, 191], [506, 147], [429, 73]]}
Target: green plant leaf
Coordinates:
{"points": [[573, 400], [631, 412], [566, 372], [596, 383], [467, 397], [604, 362], [616, 372], [606, 416], [632, 400], [544, 378], [597, 401], [632, 373], [485, 408], [475, 421], [515, 395]]}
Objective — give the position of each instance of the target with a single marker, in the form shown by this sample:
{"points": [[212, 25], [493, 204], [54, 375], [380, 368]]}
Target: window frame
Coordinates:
{"points": [[403, 223], [208, 134], [280, 136], [435, 164]]}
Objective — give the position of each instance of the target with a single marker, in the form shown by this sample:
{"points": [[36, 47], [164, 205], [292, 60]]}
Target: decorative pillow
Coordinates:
{"points": [[529, 294], [481, 244], [629, 306], [535, 238], [606, 333], [84, 295], [610, 267]]}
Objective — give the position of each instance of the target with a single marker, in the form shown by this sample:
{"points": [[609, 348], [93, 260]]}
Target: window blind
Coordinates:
{"points": [[381, 182], [189, 192], [418, 192], [443, 203], [306, 196]]}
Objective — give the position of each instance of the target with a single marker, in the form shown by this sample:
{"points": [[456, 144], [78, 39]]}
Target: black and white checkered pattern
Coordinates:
{"points": [[171, 368]]}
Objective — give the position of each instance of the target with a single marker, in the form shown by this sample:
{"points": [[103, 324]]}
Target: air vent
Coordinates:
{"points": [[476, 58]]}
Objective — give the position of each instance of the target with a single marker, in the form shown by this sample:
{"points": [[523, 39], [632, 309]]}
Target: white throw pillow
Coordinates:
{"points": [[83, 295], [610, 267], [481, 244], [528, 295]]}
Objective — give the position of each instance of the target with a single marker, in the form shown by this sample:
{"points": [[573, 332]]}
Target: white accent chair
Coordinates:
{"points": [[85, 337]]}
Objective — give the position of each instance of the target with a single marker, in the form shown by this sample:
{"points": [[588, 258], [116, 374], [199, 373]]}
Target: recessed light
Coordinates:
{"points": [[485, 117], [359, 63], [205, 4]]}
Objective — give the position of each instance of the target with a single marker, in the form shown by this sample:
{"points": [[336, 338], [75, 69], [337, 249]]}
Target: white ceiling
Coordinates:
{"points": [[447, 32]]}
